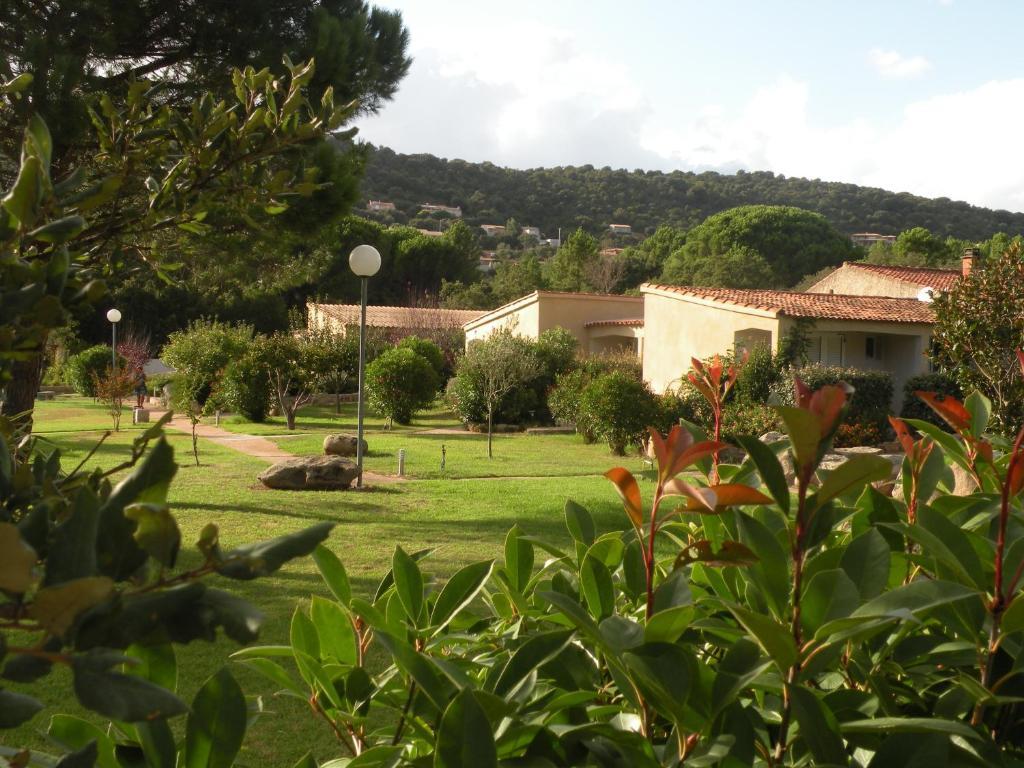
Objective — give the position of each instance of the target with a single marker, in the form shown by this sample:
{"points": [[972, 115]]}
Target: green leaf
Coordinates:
{"points": [[768, 467], [334, 628], [157, 743], [866, 562], [419, 667], [818, 727], [534, 653], [408, 584], [333, 573], [596, 585], [852, 474], [461, 589], [56, 608], [518, 560], [16, 560], [262, 559], [306, 761], [829, 595], [72, 551], [667, 625], [155, 663], [75, 734], [775, 638], [37, 136], [673, 592], [664, 673], [216, 725], [771, 572], [275, 673], [119, 696], [741, 665], [980, 408], [22, 201], [580, 523], [804, 430], [465, 737], [303, 634], [912, 750], [949, 544], [375, 757], [1013, 619], [60, 230], [17, 708], [887, 725], [917, 596], [156, 531], [86, 757]]}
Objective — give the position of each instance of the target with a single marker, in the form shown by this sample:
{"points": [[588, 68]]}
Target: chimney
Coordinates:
{"points": [[967, 262]]}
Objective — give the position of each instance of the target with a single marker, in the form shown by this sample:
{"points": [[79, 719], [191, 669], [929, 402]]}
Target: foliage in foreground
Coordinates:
{"points": [[743, 622]]}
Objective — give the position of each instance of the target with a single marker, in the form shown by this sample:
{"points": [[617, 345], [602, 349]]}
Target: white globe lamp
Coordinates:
{"points": [[114, 315], [364, 260]]}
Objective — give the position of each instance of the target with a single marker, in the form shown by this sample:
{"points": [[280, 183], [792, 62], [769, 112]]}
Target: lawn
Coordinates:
{"points": [[466, 519]]}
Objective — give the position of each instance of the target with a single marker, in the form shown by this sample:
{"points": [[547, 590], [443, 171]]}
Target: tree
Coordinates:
{"points": [[429, 351], [567, 271], [979, 327], [618, 408], [157, 170], [644, 262], [495, 366], [204, 350], [514, 279], [919, 247], [757, 246], [296, 366], [399, 383]]}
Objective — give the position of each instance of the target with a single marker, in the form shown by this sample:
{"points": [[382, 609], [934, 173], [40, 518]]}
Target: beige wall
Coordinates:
{"points": [[851, 281], [523, 318], [676, 330], [317, 319]]}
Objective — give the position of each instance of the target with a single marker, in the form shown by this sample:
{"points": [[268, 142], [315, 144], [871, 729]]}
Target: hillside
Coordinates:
{"points": [[569, 197]]}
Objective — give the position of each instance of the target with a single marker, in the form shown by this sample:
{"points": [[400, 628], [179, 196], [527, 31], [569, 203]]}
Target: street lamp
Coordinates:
{"points": [[114, 316], [364, 261]]}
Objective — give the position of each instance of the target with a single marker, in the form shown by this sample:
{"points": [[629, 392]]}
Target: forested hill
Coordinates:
{"points": [[570, 197]]}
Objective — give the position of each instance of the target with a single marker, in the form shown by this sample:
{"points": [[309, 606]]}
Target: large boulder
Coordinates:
{"points": [[342, 445], [311, 473]]}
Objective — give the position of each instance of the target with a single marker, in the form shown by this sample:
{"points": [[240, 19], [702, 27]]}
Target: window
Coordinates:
{"points": [[870, 348]]}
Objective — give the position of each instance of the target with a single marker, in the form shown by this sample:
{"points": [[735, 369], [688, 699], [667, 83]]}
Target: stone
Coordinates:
{"points": [[140, 416], [859, 450], [311, 473], [45, 394], [342, 445], [772, 437], [963, 481]]}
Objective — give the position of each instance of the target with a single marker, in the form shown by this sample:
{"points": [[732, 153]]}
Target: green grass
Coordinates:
{"points": [[323, 419], [464, 519]]}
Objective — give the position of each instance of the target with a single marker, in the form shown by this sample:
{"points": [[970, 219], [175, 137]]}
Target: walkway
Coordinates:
{"points": [[253, 445]]}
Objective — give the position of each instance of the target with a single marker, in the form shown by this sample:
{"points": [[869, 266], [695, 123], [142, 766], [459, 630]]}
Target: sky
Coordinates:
{"points": [[922, 96]]}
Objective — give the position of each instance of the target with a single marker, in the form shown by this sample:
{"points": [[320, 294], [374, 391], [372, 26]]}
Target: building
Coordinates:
{"points": [[600, 322], [339, 318], [856, 278], [620, 229], [867, 239], [553, 242], [531, 231], [488, 261], [493, 230], [610, 251], [430, 232], [451, 210], [380, 205], [866, 332]]}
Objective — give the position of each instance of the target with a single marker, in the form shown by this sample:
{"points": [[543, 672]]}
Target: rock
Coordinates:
{"points": [[892, 446], [45, 394], [342, 445], [731, 455], [310, 473], [859, 450], [772, 437], [963, 484]]}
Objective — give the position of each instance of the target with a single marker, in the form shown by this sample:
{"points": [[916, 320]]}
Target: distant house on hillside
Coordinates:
{"points": [[380, 205], [858, 279], [488, 261], [493, 230], [867, 332], [340, 318], [611, 251], [430, 232], [451, 210], [531, 231], [867, 239], [620, 229], [600, 322]]}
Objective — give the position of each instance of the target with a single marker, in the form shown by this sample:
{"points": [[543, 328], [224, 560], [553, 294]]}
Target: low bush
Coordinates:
{"points": [[203, 350], [872, 396], [915, 408], [758, 375], [82, 369], [429, 351], [753, 419], [618, 409], [399, 383], [245, 389]]}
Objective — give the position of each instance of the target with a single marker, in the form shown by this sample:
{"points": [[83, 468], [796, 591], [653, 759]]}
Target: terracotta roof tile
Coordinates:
{"points": [[824, 306], [637, 322], [926, 277], [400, 317]]}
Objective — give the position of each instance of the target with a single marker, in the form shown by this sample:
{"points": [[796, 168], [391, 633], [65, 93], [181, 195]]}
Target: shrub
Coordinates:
{"points": [[429, 351], [245, 389], [618, 409], [872, 396], [203, 351], [683, 403], [82, 369], [915, 408], [399, 383], [739, 418], [757, 376]]}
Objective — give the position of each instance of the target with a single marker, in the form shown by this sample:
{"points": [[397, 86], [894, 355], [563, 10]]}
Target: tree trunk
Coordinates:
{"points": [[289, 417], [490, 429], [20, 395]]}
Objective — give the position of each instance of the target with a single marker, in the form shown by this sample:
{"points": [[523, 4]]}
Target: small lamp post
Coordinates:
{"points": [[364, 261], [114, 316]]}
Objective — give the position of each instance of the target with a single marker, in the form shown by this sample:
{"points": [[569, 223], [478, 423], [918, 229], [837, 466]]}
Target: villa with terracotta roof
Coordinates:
{"points": [[600, 322], [339, 318], [867, 332], [859, 279]]}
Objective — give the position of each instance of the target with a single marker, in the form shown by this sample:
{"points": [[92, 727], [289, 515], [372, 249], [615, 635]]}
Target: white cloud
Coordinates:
{"points": [[893, 64]]}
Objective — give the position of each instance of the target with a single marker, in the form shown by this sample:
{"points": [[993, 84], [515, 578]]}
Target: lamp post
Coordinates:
{"points": [[114, 316], [364, 261]]}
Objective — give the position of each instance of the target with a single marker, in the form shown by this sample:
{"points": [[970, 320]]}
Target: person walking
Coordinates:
{"points": [[140, 386]]}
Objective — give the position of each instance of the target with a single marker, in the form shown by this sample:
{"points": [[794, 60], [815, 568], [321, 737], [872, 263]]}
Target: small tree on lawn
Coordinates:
{"points": [[112, 387], [497, 365], [399, 383], [296, 367], [618, 408], [186, 388], [979, 325]]}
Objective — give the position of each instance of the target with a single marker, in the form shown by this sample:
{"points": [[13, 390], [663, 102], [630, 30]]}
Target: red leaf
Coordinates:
{"points": [[949, 408], [827, 404], [1015, 478], [902, 434], [1020, 359], [702, 498], [731, 495], [657, 447], [628, 489], [801, 393], [692, 455]]}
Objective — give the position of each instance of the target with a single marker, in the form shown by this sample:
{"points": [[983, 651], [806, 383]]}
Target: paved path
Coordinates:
{"points": [[253, 445]]}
